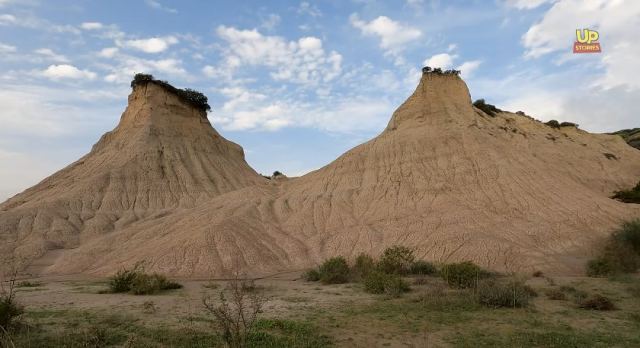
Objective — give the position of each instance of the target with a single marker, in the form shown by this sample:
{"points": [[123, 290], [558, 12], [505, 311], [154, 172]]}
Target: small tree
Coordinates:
{"points": [[237, 312], [10, 309]]}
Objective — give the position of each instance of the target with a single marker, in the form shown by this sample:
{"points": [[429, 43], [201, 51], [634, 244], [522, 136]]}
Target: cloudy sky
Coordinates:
{"points": [[297, 83]]}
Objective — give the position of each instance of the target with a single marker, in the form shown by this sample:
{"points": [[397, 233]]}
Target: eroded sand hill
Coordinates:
{"points": [[444, 178]]}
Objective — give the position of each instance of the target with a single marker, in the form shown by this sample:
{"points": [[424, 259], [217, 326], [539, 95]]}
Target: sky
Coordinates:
{"points": [[298, 83]]}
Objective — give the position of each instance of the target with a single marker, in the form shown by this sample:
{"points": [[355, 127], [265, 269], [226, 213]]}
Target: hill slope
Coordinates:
{"points": [[444, 178]]}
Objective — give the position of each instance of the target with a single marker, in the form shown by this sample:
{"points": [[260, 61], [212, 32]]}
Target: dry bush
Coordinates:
{"points": [[496, 293], [364, 265], [423, 268], [463, 275], [396, 260], [385, 283], [556, 295], [334, 271], [597, 302], [237, 311], [10, 309], [137, 282]]}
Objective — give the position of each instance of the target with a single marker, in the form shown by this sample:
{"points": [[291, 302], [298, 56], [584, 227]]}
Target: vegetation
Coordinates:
{"points": [[620, 254], [556, 295], [364, 265], [378, 282], [137, 282], [569, 124], [463, 275], [423, 268], [498, 293], [334, 271], [236, 315], [628, 196], [439, 71], [396, 260], [277, 173], [597, 302], [553, 124], [488, 109], [195, 98], [10, 309], [311, 275]]}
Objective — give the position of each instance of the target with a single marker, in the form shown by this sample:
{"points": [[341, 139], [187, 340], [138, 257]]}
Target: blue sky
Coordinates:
{"points": [[297, 83]]}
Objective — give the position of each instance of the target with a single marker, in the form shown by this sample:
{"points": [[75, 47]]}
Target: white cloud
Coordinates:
{"points": [[151, 45], [393, 35], [158, 6], [309, 9], [303, 61], [526, 4], [442, 60], [51, 55], [4, 49], [7, 19], [613, 19], [468, 68], [66, 71], [108, 52], [91, 26]]}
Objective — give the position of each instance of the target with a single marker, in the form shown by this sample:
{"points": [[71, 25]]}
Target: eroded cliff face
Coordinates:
{"points": [[163, 155], [443, 178]]}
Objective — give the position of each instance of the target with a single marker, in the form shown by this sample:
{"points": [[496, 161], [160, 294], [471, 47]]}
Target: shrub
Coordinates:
{"points": [[277, 173], [463, 275], [489, 109], [10, 309], [334, 271], [364, 265], [190, 96], [553, 124], [311, 275], [629, 233], [556, 295], [494, 293], [396, 260], [137, 282], [568, 124], [597, 302], [423, 268], [538, 274], [385, 283], [236, 313], [621, 253], [628, 196]]}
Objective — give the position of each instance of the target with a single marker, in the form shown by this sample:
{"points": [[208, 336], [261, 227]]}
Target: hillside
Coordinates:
{"points": [[444, 178]]}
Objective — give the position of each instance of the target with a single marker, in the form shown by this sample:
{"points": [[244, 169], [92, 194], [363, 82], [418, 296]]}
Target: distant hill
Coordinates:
{"points": [[631, 136]]}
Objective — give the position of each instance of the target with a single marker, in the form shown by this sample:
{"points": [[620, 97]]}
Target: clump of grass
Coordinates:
{"points": [[385, 283], [463, 275], [497, 293], [556, 295], [28, 284], [137, 282], [597, 302]]}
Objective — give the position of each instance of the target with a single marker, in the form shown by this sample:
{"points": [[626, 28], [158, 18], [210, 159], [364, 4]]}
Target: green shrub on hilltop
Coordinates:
{"points": [[191, 96], [488, 109]]}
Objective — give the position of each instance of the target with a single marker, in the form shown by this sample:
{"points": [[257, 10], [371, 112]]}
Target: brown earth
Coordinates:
{"points": [[443, 178]]}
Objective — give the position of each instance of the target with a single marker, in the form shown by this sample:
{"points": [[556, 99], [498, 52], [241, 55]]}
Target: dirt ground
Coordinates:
{"points": [[430, 315]]}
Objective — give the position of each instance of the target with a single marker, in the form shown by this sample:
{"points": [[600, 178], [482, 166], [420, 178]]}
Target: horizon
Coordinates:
{"points": [[297, 83]]}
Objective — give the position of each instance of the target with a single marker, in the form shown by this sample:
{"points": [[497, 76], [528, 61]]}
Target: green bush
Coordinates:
{"points": [[423, 268], [568, 124], [463, 275], [629, 196], [334, 271], [364, 265], [384, 283], [621, 253], [396, 260], [137, 282], [553, 124], [311, 275], [489, 109], [496, 293]]}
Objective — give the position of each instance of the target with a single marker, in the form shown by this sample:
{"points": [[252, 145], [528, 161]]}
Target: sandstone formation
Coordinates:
{"points": [[443, 178]]}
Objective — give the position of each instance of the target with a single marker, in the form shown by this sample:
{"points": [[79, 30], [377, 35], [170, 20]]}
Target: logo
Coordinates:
{"points": [[586, 41]]}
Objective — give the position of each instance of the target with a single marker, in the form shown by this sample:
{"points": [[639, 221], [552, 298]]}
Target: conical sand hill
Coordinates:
{"points": [[163, 156], [444, 178]]}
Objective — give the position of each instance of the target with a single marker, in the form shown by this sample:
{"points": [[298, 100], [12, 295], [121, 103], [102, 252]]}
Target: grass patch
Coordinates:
{"points": [[137, 282], [29, 284]]}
